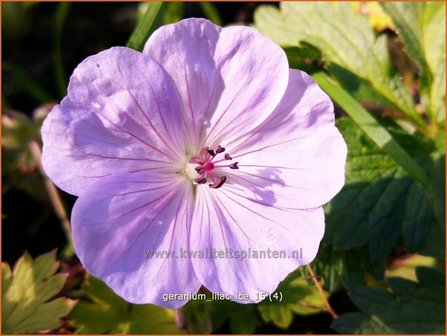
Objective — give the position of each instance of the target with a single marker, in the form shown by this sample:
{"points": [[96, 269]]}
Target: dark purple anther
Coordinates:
{"points": [[220, 149], [206, 163], [200, 180], [219, 183]]}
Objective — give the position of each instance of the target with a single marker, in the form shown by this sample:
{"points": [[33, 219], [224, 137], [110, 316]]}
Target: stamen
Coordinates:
{"points": [[220, 149], [219, 183], [234, 165], [206, 164], [202, 157], [200, 170], [196, 159], [200, 180], [203, 152]]}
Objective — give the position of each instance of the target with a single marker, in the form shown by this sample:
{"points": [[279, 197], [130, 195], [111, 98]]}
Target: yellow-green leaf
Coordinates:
{"points": [[346, 41], [421, 26], [106, 312], [28, 295], [294, 295]]}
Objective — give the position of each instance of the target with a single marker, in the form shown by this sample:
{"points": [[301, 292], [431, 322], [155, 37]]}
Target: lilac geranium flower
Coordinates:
{"points": [[205, 141]]}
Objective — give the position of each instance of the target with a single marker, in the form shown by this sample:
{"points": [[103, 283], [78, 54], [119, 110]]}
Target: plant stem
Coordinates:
{"points": [[368, 124], [321, 291], [60, 17], [180, 321], [52, 191]]}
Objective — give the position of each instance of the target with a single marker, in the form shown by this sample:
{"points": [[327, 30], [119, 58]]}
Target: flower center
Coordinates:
{"points": [[206, 163]]}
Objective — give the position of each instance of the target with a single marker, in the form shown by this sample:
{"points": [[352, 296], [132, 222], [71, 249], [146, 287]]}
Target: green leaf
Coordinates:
{"points": [[372, 128], [345, 39], [281, 316], [408, 308], [328, 264], [406, 267], [270, 21], [358, 265], [28, 295], [438, 177], [434, 244], [305, 57], [207, 316], [106, 312], [376, 200], [418, 212], [345, 267], [408, 18], [294, 295], [150, 21], [197, 317], [421, 26], [243, 318]]}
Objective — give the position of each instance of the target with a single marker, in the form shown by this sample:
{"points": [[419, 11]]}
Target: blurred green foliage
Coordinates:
{"points": [[15, 16]]}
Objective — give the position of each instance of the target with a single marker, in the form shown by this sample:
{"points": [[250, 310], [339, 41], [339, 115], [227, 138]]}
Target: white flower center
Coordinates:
{"points": [[190, 172]]}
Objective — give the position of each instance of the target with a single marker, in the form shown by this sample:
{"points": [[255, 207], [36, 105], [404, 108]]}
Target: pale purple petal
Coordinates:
{"points": [[186, 51], [130, 139], [297, 155], [120, 220], [229, 79], [121, 114], [225, 221]]}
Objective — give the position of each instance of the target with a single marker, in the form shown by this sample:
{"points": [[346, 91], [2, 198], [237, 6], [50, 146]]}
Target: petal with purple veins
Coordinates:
{"points": [[297, 154], [121, 114], [224, 221], [229, 79], [119, 222]]}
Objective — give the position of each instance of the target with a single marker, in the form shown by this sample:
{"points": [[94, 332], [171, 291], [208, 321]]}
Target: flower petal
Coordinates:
{"points": [[121, 114], [298, 154], [120, 221], [274, 242], [228, 79]]}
